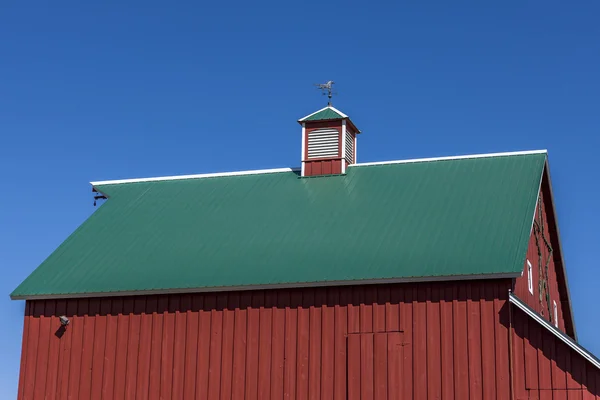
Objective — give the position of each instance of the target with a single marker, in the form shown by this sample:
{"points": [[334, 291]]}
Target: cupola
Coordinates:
{"points": [[328, 142]]}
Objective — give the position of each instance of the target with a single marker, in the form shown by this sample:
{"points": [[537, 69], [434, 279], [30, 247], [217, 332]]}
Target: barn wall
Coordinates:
{"points": [[410, 341], [553, 278], [546, 368]]}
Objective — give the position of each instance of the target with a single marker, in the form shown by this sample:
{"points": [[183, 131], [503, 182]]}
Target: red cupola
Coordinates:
{"points": [[328, 142]]}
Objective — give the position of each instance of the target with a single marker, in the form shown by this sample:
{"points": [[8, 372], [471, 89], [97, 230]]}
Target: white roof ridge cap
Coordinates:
{"points": [[195, 176]]}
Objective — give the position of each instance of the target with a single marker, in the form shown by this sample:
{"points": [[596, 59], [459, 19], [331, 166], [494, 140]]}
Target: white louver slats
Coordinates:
{"points": [[323, 143], [349, 148]]}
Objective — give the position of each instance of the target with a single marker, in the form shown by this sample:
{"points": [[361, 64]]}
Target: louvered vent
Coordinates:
{"points": [[349, 148], [323, 143]]}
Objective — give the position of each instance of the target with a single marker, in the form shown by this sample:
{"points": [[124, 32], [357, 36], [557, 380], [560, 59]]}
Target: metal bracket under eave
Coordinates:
{"points": [[97, 196]]}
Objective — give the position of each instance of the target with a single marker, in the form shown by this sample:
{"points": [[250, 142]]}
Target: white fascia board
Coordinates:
{"points": [[566, 339], [302, 154], [322, 109], [464, 157], [343, 146], [198, 176]]}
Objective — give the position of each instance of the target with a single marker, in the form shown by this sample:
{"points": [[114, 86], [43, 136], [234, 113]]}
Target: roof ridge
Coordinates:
{"points": [[277, 170], [195, 176], [447, 158]]}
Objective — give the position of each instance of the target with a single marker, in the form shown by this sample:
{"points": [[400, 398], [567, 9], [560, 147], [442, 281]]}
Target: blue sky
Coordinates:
{"points": [[111, 90]]}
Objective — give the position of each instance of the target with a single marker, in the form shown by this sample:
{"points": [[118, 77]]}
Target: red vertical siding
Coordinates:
{"points": [[443, 340], [538, 254], [551, 369]]}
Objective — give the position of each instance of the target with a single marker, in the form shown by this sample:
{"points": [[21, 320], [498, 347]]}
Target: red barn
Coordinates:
{"points": [[420, 279]]}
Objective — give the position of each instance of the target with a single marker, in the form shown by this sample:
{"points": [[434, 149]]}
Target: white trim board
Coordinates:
{"points": [[294, 285], [464, 157], [198, 176], [566, 339], [276, 170], [322, 109]]}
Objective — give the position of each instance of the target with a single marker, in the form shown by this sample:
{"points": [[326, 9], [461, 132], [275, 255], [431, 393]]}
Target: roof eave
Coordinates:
{"points": [[447, 278]]}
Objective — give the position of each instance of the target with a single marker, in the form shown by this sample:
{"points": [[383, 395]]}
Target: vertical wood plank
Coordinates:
{"points": [[227, 347], [328, 344], [447, 342], [43, 339], [52, 374], [420, 346], [110, 352], [53, 350], [368, 298], [392, 309], [302, 369], [89, 342], [77, 326], [101, 307], [531, 359], [264, 345], [433, 335], [204, 338], [63, 358], [145, 309], [474, 341], [354, 367], [380, 302], [135, 309], [353, 309], [215, 303], [488, 341], [340, 331], [545, 367], [406, 318], [123, 321], [278, 345], [394, 367], [253, 351], [166, 357], [23, 378], [366, 366], [192, 306], [291, 348], [501, 310], [302, 358], [518, 353], [380, 365], [314, 359], [179, 350], [156, 305], [239, 345], [461, 354]]}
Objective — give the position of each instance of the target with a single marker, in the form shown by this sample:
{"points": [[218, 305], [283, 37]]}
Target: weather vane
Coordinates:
{"points": [[326, 88]]}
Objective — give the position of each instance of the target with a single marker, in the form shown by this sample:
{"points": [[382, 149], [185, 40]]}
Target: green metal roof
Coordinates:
{"points": [[466, 217], [324, 114]]}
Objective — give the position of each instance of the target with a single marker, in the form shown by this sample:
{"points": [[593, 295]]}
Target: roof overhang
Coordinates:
{"points": [[564, 338], [270, 286]]}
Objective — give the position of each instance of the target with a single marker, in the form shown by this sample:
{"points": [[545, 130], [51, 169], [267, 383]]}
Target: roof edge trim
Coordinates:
{"points": [[322, 109], [566, 339], [560, 248], [463, 157], [297, 285], [197, 176]]}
